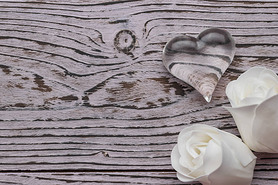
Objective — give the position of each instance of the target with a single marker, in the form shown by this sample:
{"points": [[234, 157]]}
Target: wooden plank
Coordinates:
{"points": [[86, 99], [161, 177]]}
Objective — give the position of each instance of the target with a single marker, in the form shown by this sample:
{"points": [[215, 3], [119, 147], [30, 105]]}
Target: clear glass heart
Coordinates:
{"points": [[200, 61]]}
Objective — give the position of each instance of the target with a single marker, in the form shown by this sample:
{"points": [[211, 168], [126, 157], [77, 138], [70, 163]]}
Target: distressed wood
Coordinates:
{"points": [[85, 97]]}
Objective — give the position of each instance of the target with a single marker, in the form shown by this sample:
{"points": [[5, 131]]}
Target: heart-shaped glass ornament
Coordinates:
{"points": [[200, 61]]}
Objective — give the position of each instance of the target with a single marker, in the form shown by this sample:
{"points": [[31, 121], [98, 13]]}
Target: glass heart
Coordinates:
{"points": [[200, 61]]}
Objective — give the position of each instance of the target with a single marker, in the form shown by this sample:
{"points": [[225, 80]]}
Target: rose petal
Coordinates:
{"points": [[271, 92], [231, 171], [265, 127], [251, 101], [211, 160], [252, 72], [185, 159], [175, 156], [245, 156], [268, 74], [183, 178], [186, 135], [213, 157], [243, 117], [252, 87], [239, 92], [223, 157], [233, 92], [271, 79]]}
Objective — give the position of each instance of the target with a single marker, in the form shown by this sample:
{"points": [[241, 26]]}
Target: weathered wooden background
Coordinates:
{"points": [[85, 98]]}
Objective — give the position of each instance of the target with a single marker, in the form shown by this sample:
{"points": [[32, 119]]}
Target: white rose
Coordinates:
{"points": [[212, 157], [254, 100]]}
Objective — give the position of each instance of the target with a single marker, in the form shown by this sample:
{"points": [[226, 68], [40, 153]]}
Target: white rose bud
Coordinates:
{"points": [[254, 100], [212, 157]]}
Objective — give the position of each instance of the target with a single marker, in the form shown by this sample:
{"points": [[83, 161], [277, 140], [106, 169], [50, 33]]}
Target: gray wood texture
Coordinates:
{"points": [[85, 98]]}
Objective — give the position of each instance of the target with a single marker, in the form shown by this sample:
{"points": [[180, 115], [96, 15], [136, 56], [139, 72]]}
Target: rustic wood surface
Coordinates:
{"points": [[85, 98]]}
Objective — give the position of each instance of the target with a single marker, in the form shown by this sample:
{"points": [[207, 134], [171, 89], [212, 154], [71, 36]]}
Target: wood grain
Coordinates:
{"points": [[86, 99]]}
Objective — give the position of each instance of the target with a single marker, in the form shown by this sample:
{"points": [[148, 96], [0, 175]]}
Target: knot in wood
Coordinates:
{"points": [[125, 41]]}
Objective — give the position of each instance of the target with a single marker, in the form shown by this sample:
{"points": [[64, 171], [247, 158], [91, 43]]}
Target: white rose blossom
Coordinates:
{"points": [[212, 157], [254, 100]]}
